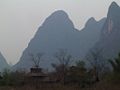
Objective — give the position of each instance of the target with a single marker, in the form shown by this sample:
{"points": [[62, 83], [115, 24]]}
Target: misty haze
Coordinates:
{"points": [[69, 49]]}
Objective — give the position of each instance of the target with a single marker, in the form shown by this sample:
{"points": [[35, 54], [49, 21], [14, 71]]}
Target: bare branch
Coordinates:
{"points": [[36, 59]]}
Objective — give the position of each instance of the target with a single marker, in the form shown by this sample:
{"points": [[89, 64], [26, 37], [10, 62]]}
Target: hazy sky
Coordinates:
{"points": [[20, 19]]}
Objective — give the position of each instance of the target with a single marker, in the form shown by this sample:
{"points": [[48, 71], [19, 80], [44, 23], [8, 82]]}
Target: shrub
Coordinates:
{"points": [[11, 78]]}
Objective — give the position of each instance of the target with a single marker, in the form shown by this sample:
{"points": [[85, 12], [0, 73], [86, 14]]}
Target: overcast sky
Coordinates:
{"points": [[20, 19]]}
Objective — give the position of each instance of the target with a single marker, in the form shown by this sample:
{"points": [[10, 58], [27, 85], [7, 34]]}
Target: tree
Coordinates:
{"points": [[115, 75], [64, 60], [77, 73], [63, 57], [97, 62], [80, 64], [116, 64], [36, 59]]}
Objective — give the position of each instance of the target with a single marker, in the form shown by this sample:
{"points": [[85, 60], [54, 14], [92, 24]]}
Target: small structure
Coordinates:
{"points": [[36, 75]]}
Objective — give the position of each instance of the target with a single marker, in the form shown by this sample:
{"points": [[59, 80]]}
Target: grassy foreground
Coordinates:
{"points": [[98, 86]]}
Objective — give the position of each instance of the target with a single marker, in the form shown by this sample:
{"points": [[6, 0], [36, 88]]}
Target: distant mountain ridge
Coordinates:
{"points": [[58, 32], [3, 63]]}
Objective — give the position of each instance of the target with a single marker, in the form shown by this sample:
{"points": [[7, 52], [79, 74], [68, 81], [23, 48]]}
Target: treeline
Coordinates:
{"points": [[66, 73]]}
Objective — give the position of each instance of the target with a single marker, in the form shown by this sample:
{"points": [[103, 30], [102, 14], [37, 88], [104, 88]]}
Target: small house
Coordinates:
{"points": [[36, 75]]}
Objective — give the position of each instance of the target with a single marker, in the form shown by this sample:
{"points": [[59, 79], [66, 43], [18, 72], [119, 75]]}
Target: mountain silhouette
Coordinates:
{"points": [[58, 32], [110, 35], [3, 63]]}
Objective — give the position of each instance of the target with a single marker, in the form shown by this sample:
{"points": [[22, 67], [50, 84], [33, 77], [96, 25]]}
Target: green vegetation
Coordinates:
{"points": [[11, 78], [116, 64], [115, 75]]}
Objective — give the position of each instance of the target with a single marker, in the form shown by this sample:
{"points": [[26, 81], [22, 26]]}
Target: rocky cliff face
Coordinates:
{"points": [[110, 35]]}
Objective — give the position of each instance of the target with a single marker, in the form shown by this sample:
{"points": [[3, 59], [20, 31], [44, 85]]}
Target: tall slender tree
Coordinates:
{"points": [[64, 60], [97, 62]]}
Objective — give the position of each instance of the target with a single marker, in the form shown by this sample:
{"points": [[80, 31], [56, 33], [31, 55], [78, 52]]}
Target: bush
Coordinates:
{"points": [[115, 75], [11, 78], [78, 75]]}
